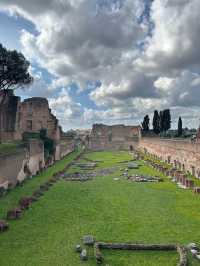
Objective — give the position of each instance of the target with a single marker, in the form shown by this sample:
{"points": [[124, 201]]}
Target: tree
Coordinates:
{"points": [[49, 144], [180, 127], [145, 123], [156, 122], [13, 69], [165, 120]]}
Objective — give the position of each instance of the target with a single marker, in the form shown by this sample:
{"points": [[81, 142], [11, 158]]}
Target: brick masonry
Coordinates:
{"points": [[183, 154]]}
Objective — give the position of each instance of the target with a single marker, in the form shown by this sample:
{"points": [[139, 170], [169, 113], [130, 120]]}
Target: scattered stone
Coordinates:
{"points": [[197, 256], [38, 193], [116, 178], [34, 198], [140, 178], [78, 248], [14, 214], [25, 203], [192, 246], [3, 226], [194, 251], [86, 166], [83, 255], [88, 240], [44, 187], [133, 166]]}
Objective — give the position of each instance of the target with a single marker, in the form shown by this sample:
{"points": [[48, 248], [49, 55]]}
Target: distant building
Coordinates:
{"points": [[116, 137]]}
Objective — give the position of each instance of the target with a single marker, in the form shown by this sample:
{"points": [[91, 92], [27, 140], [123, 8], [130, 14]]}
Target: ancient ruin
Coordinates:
{"points": [[20, 121], [116, 137]]}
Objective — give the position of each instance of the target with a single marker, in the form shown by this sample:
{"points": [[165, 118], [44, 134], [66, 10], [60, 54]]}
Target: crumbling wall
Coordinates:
{"points": [[11, 165], [65, 146], [184, 154], [35, 115], [9, 116], [36, 156], [117, 137], [27, 161]]}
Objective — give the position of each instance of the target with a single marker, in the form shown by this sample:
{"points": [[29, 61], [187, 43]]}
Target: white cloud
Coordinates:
{"points": [[80, 41]]}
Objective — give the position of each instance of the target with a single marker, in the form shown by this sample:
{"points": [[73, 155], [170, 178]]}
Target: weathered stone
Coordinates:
{"points": [[133, 166], [114, 137], [83, 255], [78, 248], [25, 203], [194, 251], [192, 246], [197, 256], [88, 240], [14, 214], [3, 226], [44, 187]]}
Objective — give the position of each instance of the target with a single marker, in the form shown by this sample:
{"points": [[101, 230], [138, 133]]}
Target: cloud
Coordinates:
{"points": [[68, 111], [145, 55], [174, 44]]}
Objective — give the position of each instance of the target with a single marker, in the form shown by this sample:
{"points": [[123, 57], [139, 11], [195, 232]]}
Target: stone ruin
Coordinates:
{"points": [[87, 176], [14, 214], [3, 226], [116, 137], [141, 178], [181, 250], [31, 115], [86, 166], [98, 246]]}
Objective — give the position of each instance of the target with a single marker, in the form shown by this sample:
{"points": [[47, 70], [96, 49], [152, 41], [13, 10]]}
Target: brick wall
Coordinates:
{"points": [[182, 153]]}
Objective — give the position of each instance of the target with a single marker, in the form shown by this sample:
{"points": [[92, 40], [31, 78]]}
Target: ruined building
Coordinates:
{"points": [[116, 137], [31, 115]]}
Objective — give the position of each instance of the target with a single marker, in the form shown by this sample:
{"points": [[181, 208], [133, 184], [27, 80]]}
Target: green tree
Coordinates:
{"points": [[180, 127], [145, 123], [161, 122], [156, 122], [49, 145], [165, 120], [14, 70]]}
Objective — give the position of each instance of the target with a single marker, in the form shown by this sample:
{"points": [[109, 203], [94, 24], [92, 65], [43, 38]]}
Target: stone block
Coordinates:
{"points": [[83, 255], [14, 214], [88, 240], [3, 226]]}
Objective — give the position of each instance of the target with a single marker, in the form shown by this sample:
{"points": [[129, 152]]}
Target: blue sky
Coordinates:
{"points": [[108, 61]]}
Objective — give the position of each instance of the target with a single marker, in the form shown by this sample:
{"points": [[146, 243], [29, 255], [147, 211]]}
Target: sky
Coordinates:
{"points": [[109, 61]]}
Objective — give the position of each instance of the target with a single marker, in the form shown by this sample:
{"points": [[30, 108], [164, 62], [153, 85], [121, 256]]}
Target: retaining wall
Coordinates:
{"points": [[184, 154]]}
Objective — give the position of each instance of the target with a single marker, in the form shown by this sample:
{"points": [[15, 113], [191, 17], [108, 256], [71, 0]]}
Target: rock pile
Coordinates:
{"points": [[140, 178]]}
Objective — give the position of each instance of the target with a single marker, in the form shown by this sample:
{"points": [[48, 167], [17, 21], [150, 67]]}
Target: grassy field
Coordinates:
{"points": [[115, 211]]}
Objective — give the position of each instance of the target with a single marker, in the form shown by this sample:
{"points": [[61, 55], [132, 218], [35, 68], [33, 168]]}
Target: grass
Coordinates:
{"points": [[12, 198], [117, 211], [7, 148]]}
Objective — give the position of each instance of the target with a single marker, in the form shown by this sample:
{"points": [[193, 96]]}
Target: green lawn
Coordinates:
{"points": [[115, 211]]}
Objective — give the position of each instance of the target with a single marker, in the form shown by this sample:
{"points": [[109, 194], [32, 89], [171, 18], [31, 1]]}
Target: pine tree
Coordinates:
{"points": [[161, 122], [156, 122], [145, 123], [167, 119], [180, 128]]}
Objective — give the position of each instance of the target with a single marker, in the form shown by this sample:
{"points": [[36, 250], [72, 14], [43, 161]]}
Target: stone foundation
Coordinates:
{"points": [[183, 154], [116, 137]]}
